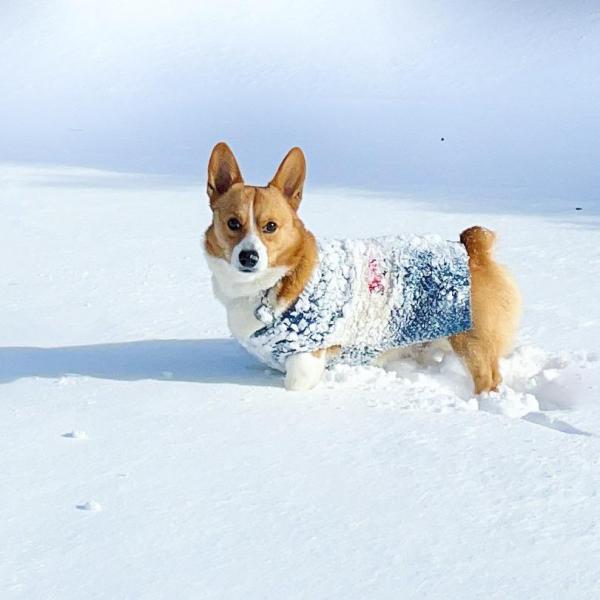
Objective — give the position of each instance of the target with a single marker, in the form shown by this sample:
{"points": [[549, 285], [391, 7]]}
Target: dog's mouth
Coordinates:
{"points": [[247, 274]]}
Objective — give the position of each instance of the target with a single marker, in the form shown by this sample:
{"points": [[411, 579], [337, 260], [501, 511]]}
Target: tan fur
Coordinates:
{"points": [[496, 306], [330, 353], [495, 298]]}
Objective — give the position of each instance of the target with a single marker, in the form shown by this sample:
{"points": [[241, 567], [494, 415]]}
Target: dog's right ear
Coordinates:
{"points": [[223, 171]]}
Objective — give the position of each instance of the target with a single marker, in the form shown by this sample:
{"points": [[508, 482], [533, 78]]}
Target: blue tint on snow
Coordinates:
{"points": [[512, 88]]}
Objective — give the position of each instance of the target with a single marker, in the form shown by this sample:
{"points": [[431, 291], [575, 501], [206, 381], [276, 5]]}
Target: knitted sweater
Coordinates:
{"points": [[369, 296]]}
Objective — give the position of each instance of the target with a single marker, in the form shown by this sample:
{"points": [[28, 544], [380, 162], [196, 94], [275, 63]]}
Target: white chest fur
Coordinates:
{"points": [[240, 293], [240, 316]]}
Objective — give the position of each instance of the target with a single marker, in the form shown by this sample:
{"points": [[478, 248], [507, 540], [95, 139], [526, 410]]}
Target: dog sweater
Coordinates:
{"points": [[367, 297]]}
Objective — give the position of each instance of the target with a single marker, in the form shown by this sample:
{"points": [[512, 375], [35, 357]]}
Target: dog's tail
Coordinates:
{"points": [[479, 243]]}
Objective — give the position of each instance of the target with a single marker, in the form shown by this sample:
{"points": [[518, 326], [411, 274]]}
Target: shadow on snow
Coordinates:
{"points": [[202, 361]]}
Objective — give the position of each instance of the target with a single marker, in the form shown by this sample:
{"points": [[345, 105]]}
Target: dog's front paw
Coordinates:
{"points": [[295, 383], [303, 371]]}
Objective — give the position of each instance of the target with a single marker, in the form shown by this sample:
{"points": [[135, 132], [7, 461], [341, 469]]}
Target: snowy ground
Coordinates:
{"points": [[144, 455]]}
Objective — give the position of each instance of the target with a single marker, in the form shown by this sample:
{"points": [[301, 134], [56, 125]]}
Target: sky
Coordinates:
{"points": [[447, 98]]}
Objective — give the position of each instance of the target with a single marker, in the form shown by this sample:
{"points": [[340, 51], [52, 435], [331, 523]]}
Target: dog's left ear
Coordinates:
{"points": [[290, 175]]}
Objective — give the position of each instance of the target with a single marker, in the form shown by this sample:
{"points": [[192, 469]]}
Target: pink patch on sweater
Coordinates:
{"points": [[375, 278]]}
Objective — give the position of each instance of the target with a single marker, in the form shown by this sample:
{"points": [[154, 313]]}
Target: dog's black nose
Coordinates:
{"points": [[248, 258]]}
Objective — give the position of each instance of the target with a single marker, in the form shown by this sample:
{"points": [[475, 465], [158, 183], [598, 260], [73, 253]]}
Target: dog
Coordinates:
{"points": [[300, 305]]}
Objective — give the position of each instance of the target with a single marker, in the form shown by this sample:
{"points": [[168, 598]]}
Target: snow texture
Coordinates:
{"points": [[215, 482], [370, 296]]}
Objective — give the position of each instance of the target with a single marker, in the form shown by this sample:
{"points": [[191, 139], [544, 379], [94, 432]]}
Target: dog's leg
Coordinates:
{"points": [[476, 355], [496, 377], [304, 370]]}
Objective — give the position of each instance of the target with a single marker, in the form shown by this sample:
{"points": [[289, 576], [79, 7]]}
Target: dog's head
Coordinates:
{"points": [[254, 229]]}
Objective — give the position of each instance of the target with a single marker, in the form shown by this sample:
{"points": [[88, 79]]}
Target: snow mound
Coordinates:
{"points": [[76, 435], [533, 380], [91, 506]]}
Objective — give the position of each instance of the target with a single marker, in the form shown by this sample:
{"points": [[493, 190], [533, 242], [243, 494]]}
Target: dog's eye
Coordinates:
{"points": [[270, 227], [233, 224]]}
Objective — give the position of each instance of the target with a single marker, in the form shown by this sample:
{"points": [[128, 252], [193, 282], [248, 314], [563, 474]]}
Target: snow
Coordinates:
{"points": [[92, 506], [76, 435], [368, 91], [144, 454]]}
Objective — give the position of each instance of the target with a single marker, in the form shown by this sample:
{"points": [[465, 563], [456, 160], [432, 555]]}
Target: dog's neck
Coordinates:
{"points": [[241, 293]]}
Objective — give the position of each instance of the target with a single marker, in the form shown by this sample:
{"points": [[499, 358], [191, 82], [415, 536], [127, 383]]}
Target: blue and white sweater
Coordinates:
{"points": [[370, 296]]}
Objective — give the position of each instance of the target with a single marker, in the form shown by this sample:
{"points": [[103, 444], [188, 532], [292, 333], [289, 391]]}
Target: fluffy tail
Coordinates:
{"points": [[479, 243]]}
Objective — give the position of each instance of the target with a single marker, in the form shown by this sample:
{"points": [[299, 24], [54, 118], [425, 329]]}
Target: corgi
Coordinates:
{"points": [[301, 305]]}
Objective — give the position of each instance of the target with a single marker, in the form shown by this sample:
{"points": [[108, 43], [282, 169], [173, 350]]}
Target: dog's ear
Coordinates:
{"points": [[223, 171], [290, 175]]}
